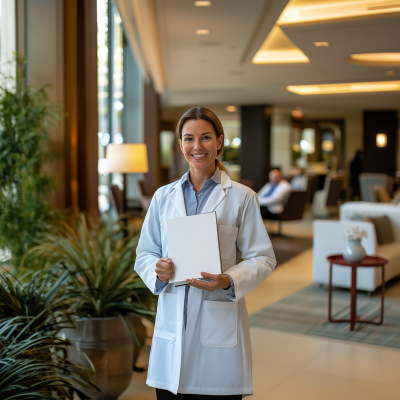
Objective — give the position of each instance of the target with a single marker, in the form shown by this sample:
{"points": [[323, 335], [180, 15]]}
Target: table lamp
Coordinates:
{"points": [[127, 158]]}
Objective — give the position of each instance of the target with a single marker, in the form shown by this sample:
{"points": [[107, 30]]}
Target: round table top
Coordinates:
{"points": [[369, 261]]}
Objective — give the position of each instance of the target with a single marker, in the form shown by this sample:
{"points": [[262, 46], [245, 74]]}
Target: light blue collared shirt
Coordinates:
{"points": [[195, 203]]}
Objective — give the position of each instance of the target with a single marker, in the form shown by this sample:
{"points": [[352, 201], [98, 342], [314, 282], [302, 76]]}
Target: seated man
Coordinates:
{"points": [[273, 195]]}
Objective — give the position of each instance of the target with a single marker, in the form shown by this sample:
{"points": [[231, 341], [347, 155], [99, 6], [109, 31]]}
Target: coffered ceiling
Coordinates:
{"points": [[217, 68]]}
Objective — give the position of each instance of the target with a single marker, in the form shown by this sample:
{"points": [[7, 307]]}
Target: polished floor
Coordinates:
{"points": [[296, 367]]}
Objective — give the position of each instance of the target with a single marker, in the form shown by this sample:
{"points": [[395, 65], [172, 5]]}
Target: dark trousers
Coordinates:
{"points": [[166, 395], [266, 214]]}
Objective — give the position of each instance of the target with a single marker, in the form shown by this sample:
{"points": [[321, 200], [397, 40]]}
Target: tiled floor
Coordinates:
{"points": [[295, 367]]}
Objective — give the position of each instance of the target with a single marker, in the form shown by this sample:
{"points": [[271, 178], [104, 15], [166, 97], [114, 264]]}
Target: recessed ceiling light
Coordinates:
{"points": [[389, 72], [202, 32], [202, 3], [358, 87], [231, 108], [377, 59], [321, 44]]}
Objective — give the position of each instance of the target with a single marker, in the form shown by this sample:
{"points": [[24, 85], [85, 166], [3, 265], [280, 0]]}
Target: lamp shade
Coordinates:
{"points": [[127, 158]]}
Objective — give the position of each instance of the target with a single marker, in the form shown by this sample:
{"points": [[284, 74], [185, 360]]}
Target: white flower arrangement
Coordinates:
{"points": [[355, 234]]}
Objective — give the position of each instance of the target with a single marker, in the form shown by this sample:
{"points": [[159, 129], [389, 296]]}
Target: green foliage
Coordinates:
{"points": [[35, 367], [231, 154], [101, 263], [26, 117], [39, 294]]}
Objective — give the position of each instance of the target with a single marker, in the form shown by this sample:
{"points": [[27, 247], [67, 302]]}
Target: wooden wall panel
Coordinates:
{"points": [[380, 159], [255, 156], [81, 121], [152, 180]]}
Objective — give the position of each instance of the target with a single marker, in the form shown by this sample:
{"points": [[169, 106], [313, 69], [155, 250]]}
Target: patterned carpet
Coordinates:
{"points": [[306, 312]]}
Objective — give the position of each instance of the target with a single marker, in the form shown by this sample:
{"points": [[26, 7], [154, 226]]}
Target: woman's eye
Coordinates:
{"points": [[206, 137], [188, 139]]}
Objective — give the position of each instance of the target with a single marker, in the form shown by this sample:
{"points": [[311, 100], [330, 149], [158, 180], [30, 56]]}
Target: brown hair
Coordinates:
{"points": [[207, 115]]}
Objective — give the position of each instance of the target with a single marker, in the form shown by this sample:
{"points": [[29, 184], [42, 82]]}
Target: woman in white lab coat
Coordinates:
{"points": [[201, 343]]}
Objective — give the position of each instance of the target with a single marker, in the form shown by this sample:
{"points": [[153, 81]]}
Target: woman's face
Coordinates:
{"points": [[199, 143]]}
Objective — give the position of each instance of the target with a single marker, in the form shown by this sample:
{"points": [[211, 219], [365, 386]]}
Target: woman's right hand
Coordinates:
{"points": [[164, 269]]}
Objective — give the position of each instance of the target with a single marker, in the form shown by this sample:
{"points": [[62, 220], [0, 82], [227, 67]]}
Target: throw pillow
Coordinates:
{"points": [[383, 229], [359, 217]]}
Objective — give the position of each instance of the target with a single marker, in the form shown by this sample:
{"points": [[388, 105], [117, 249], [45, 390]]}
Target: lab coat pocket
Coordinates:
{"points": [[165, 327], [219, 324], [227, 239]]}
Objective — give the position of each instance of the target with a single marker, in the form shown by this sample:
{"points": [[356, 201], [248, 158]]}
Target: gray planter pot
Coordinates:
{"points": [[108, 344]]}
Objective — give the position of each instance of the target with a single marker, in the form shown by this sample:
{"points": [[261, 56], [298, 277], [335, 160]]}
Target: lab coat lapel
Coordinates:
{"points": [[218, 194], [176, 196]]}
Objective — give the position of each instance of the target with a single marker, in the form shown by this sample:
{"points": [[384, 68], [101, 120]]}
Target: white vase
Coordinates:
{"points": [[354, 252]]}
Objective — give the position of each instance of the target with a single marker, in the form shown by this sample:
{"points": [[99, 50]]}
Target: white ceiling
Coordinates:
{"points": [[217, 68]]}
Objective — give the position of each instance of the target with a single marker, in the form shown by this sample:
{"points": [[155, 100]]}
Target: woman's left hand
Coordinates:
{"points": [[217, 282]]}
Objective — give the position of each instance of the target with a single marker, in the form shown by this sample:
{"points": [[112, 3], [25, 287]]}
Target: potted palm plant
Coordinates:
{"points": [[105, 294], [40, 295], [33, 365]]}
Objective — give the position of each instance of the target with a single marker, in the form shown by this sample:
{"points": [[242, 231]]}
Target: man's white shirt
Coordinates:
{"points": [[276, 201]]}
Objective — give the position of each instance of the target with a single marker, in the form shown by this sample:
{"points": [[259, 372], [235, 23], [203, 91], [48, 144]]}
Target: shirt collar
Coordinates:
{"points": [[216, 178]]}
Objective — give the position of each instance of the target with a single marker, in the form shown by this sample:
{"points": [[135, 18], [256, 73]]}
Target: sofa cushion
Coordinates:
{"points": [[383, 229]]}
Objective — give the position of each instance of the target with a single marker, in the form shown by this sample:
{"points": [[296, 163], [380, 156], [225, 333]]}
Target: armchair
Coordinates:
{"points": [[329, 196], [329, 239]]}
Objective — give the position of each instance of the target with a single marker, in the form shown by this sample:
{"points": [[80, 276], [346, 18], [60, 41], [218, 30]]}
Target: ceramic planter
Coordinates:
{"points": [[108, 344]]}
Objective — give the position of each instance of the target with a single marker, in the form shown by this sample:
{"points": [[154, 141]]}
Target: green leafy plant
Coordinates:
{"points": [[40, 294], [101, 263], [34, 367], [26, 118]]}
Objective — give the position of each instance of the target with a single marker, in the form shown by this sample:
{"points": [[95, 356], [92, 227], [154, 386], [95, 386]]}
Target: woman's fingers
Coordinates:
{"points": [[217, 282], [164, 269]]}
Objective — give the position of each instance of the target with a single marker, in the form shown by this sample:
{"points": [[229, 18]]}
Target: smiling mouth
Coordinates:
{"points": [[199, 156]]}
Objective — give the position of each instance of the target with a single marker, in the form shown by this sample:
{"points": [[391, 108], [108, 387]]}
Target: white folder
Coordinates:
{"points": [[193, 246]]}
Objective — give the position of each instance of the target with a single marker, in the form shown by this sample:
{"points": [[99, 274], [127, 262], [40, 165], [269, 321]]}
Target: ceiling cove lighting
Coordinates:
{"points": [[377, 59], [381, 140], [359, 87], [321, 44], [202, 3], [202, 32], [298, 11], [279, 49]]}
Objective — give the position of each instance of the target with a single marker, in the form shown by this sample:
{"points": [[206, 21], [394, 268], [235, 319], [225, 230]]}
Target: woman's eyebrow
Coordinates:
{"points": [[191, 134]]}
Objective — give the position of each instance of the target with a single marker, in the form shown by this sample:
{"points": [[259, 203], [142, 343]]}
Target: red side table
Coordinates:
{"points": [[368, 262]]}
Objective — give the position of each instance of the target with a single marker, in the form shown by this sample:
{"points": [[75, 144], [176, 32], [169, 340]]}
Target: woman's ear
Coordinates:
{"points": [[219, 141], [180, 145]]}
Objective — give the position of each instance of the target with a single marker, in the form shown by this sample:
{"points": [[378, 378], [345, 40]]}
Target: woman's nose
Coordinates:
{"points": [[198, 144]]}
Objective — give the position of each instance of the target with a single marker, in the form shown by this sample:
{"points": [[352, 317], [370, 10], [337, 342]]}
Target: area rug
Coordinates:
{"points": [[306, 312], [286, 248]]}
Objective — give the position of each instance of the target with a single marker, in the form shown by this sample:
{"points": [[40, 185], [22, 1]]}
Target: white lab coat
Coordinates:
{"points": [[275, 202], [213, 354]]}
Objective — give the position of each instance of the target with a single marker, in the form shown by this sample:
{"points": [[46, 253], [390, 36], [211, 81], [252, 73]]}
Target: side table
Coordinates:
{"points": [[368, 262]]}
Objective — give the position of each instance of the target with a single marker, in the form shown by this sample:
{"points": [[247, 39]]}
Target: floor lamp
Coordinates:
{"points": [[127, 158]]}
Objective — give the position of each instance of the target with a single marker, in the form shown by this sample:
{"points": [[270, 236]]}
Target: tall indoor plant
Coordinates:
{"points": [[105, 294], [26, 118]]}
